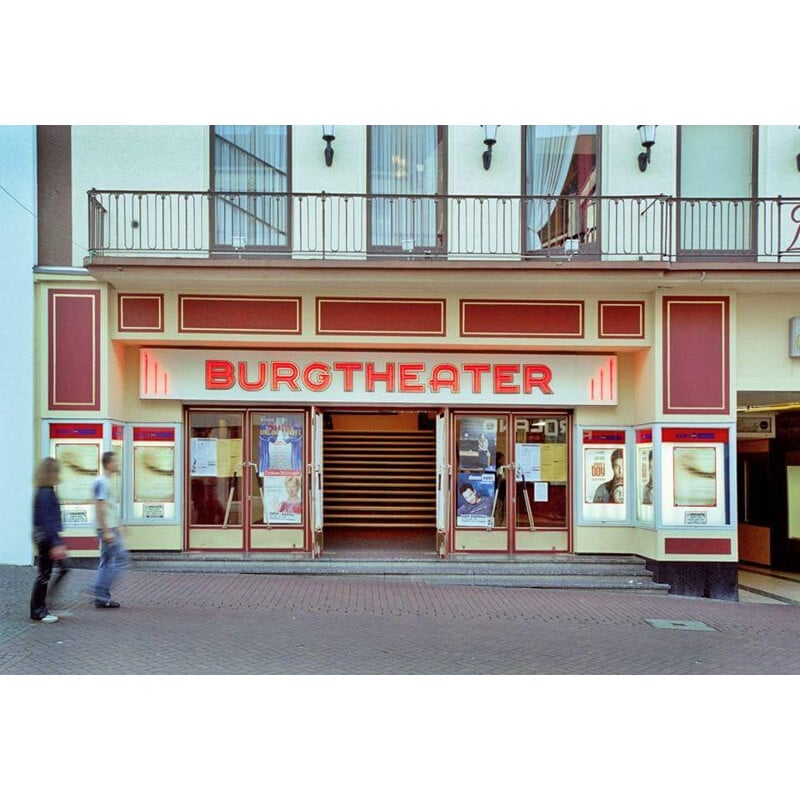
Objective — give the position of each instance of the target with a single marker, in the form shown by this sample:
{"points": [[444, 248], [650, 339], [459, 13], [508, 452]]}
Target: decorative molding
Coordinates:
{"points": [[235, 314], [73, 358], [140, 313], [557, 319], [372, 316], [696, 349], [697, 546], [620, 319]]}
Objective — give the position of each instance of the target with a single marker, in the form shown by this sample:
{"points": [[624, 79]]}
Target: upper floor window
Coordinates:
{"points": [[560, 179], [406, 171], [250, 169], [716, 182]]}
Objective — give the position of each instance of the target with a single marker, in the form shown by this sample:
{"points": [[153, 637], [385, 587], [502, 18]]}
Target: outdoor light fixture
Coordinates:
{"points": [[648, 137], [489, 139], [798, 158], [328, 137]]}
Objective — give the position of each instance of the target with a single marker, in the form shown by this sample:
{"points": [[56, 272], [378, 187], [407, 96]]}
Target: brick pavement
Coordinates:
{"points": [[230, 624]]}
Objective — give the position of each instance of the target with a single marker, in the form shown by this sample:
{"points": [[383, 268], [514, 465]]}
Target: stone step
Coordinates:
{"points": [[612, 573]]}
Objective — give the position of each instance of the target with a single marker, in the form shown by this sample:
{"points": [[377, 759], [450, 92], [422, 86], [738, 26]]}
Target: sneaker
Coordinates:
{"points": [[46, 618], [106, 604]]}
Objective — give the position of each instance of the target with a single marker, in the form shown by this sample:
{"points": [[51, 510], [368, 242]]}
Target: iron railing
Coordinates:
{"points": [[456, 227]]}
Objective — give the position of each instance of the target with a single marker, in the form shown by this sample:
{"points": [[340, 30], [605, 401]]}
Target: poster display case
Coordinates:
{"points": [[78, 447], [602, 475], [695, 477], [153, 484], [645, 484]]}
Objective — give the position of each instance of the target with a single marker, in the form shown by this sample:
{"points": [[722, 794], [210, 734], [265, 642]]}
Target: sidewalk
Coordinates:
{"points": [[178, 623]]}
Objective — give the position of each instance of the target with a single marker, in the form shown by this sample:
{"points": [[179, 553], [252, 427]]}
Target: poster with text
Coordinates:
{"points": [[604, 475], [529, 462], [475, 500], [280, 444], [203, 457], [283, 498]]}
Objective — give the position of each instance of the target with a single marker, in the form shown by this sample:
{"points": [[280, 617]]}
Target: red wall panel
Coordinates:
{"points": [[696, 355], [620, 319], [140, 312], [73, 349], [529, 318], [380, 316], [205, 314], [700, 547]]}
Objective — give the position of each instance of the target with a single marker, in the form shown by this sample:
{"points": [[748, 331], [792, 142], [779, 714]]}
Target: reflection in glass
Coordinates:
{"points": [[214, 485], [541, 472]]}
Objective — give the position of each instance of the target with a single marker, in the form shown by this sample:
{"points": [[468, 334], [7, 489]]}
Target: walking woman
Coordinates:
{"points": [[46, 529]]}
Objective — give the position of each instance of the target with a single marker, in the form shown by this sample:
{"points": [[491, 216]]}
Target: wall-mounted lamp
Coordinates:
{"points": [[328, 137], [489, 139], [798, 158], [647, 133]]}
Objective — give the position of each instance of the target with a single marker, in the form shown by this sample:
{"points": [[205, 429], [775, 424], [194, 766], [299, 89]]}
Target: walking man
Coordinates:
{"points": [[113, 555]]}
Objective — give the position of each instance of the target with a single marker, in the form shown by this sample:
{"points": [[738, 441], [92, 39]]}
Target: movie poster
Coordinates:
{"points": [[280, 465], [80, 466], [475, 500], [477, 443], [604, 475], [153, 474], [695, 470]]}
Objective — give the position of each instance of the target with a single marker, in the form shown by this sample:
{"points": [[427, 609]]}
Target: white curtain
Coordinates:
{"points": [[549, 151], [251, 158], [403, 161]]}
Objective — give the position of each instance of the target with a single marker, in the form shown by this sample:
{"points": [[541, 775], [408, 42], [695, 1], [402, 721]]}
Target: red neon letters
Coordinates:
{"points": [[368, 376]]}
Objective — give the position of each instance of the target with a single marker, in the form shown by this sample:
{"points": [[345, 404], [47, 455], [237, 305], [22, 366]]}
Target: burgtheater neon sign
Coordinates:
{"points": [[399, 378], [405, 377]]}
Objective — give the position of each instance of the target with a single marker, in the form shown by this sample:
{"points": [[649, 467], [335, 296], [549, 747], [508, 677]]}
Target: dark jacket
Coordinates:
{"points": [[46, 518]]}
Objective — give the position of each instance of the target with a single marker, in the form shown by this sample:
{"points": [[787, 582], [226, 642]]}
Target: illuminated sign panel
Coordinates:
{"points": [[374, 377]]}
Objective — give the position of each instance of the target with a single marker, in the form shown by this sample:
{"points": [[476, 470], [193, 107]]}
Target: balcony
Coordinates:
{"points": [[443, 227]]}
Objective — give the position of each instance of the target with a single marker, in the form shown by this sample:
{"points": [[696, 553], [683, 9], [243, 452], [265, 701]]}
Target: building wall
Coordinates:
{"points": [[178, 158], [18, 231], [762, 338]]}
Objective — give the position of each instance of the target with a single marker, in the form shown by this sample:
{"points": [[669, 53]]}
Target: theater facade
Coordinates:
{"points": [[327, 355]]}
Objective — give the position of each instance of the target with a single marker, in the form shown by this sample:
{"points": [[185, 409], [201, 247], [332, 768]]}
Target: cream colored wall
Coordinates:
{"points": [[466, 174], [620, 174], [133, 409], [169, 157], [778, 146], [347, 174], [762, 342]]}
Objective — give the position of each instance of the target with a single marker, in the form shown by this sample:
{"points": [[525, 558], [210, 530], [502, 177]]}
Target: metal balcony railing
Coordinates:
{"points": [[453, 227]]}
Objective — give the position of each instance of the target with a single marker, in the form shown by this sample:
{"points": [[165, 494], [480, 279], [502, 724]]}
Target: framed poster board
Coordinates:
{"points": [[602, 478]]}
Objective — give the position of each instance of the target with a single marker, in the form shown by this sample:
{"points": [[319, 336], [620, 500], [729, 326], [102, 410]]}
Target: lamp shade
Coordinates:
{"points": [[647, 134], [490, 133]]}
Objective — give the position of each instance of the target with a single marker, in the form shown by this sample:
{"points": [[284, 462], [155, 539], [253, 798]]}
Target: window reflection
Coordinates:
{"points": [[215, 456]]}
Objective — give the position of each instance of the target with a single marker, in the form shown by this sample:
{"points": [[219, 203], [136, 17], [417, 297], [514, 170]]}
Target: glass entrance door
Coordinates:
{"points": [[540, 497], [246, 488], [512, 487]]}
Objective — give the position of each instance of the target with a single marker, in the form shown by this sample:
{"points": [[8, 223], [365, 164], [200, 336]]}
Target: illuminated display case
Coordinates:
{"points": [[602, 476], [695, 473], [78, 447], [153, 487]]}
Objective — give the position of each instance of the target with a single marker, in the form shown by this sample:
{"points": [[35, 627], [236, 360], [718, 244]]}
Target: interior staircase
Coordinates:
{"points": [[379, 480]]}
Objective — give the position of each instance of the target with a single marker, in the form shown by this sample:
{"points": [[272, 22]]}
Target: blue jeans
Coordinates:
{"points": [[114, 560]]}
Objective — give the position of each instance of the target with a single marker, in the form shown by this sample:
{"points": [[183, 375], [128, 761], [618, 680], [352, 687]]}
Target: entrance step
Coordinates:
{"points": [[533, 572]]}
